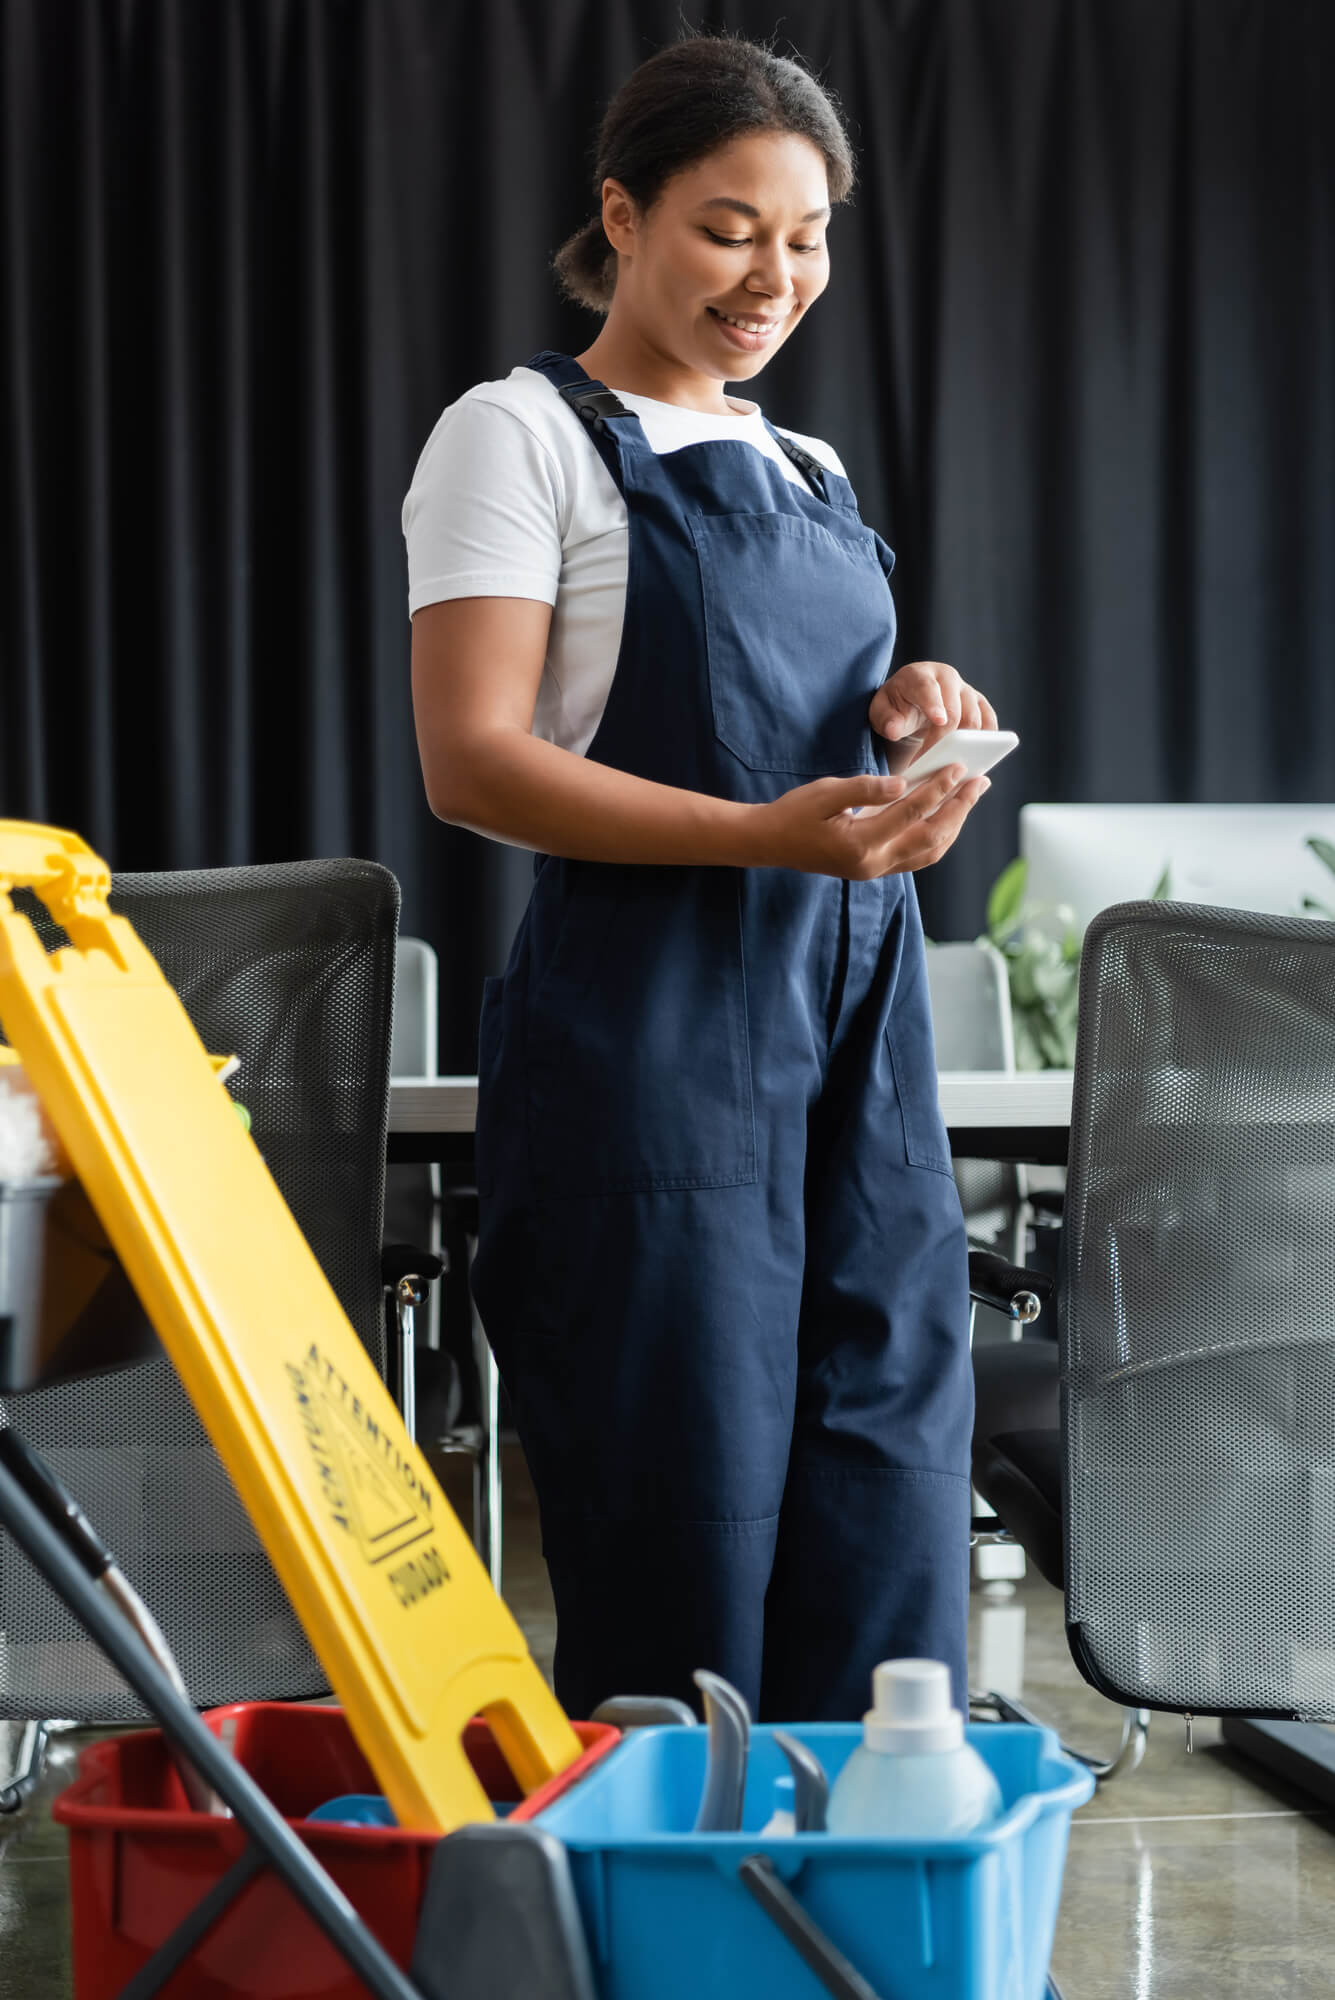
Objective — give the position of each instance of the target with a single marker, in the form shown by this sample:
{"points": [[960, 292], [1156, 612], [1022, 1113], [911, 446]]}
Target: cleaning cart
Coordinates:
{"points": [[442, 1709]]}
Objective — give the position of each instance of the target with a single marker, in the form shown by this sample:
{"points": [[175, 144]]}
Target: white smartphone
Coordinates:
{"points": [[977, 749]]}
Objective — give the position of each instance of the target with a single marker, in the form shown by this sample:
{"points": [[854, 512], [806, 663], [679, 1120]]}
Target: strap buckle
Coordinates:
{"points": [[594, 403], [810, 467]]}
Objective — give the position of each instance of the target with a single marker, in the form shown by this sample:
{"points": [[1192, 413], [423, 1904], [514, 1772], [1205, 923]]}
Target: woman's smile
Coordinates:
{"points": [[750, 332]]}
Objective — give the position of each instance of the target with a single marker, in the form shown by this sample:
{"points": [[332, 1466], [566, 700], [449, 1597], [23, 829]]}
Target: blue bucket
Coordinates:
{"points": [[668, 1918]]}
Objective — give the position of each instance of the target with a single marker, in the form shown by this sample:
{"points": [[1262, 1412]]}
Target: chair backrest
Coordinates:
{"points": [[971, 1012], [416, 1010], [292, 969], [1197, 1312], [971, 1026], [412, 1192]]}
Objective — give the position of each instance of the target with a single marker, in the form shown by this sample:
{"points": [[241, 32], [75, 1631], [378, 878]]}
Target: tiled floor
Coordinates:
{"points": [[1187, 1880]]}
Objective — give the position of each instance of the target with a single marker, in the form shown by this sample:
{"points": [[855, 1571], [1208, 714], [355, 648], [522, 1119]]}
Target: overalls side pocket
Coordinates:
{"points": [[639, 1060]]}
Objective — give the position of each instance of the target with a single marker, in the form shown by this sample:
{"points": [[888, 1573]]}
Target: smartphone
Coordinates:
{"points": [[977, 749]]}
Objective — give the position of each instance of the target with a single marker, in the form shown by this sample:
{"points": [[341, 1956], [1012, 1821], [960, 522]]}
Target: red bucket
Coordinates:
{"points": [[140, 1859]]}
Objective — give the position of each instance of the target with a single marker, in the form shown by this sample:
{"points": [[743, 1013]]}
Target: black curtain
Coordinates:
{"points": [[1078, 353]]}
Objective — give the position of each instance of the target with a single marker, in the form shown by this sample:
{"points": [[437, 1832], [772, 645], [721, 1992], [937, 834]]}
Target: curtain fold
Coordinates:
{"points": [[1078, 353]]}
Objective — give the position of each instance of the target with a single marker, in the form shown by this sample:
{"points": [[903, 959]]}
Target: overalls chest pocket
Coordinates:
{"points": [[799, 628]]}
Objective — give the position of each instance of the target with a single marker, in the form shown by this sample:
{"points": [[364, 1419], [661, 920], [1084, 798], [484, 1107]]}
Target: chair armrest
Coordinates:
{"points": [[405, 1260], [1010, 1288]]}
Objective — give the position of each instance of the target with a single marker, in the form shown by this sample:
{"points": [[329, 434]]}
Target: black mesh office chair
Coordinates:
{"points": [[291, 968], [1171, 1462]]}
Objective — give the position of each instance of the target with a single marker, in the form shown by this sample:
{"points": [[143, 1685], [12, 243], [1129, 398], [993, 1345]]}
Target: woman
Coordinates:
{"points": [[721, 1260]]}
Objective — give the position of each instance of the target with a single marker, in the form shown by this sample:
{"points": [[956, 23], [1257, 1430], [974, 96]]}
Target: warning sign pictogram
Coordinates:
{"points": [[370, 1488]]}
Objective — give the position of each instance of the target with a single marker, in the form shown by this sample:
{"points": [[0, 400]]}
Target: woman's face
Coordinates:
{"points": [[738, 237]]}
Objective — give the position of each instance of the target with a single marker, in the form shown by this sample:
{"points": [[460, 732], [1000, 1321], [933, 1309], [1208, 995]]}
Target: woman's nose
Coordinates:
{"points": [[773, 276]]}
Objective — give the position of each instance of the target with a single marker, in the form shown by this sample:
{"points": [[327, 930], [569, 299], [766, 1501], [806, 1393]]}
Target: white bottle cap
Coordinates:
{"points": [[911, 1711]]}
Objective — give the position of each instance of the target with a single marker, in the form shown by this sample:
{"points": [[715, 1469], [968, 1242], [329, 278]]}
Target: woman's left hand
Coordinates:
{"points": [[927, 698]]}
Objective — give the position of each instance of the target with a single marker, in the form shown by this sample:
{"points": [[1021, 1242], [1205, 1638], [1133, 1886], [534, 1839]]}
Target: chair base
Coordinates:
{"points": [[1135, 1731], [28, 1772]]}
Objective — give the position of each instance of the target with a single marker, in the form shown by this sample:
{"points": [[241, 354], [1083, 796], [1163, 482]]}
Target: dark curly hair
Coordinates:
{"points": [[684, 103]]}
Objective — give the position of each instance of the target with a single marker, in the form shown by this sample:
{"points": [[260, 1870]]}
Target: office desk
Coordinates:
{"points": [[989, 1116]]}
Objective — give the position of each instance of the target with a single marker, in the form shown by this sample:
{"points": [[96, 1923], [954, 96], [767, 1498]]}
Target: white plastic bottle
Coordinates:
{"points": [[914, 1775]]}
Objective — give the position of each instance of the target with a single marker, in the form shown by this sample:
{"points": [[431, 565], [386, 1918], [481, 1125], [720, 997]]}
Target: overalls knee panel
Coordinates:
{"points": [[721, 1260]]}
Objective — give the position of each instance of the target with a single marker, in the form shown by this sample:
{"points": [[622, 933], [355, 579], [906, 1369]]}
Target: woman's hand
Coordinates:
{"points": [[927, 698], [889, 832]]}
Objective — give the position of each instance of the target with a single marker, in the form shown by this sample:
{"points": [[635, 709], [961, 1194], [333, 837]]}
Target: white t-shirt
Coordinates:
{"points": [[510, 499]]}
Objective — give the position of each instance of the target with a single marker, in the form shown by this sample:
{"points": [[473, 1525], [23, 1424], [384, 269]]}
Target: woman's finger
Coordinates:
{"points": [[932, 837], [927, 797], [925, 678], [940, 701], [837, 795], [874, 821], [927, 683], [971, 708]]}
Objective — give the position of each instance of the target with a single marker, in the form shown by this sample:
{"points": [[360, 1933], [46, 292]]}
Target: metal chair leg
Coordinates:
{"points": [[1135, 1731], [28, 1772], [487, 1463], [408, 1295]]}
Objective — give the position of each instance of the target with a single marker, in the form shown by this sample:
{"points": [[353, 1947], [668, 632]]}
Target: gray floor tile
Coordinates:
{"points": [[34, 1905], [1181, 1909], [1189, 1878]]}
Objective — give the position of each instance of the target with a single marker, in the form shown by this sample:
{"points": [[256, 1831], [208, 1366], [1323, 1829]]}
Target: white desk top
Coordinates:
{"points": [[1027, 1100]]}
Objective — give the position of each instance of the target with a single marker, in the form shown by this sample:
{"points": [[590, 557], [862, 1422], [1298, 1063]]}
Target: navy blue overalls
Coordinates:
{"points": [[722, 1261]]}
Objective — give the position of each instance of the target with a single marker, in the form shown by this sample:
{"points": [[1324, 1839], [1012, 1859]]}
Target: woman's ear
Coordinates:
{"points": [[619, 217]]}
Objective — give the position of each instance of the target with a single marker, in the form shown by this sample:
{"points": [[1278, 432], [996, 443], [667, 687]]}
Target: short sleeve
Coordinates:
{"points": [[483, 515]]}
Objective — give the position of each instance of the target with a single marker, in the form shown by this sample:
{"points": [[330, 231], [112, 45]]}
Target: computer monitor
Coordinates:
{"points": [[1235, 857]]}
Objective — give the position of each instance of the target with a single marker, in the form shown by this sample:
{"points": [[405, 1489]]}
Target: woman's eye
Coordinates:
{"points": [[740, 242]]}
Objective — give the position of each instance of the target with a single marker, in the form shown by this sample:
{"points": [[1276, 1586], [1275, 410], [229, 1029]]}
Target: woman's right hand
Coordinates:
{"points": [[892, 833]]}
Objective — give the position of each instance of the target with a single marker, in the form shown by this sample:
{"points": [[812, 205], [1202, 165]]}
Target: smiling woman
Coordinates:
{"points": [[701, 274], [720, 1255], [716, 237]]}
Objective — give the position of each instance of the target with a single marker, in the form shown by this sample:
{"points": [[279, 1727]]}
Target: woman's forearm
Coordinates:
{"points": [[518, 787]]}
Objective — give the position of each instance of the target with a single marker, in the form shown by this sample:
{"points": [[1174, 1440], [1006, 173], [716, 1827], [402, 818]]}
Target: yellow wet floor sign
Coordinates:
{"points": [[384, 1579]]}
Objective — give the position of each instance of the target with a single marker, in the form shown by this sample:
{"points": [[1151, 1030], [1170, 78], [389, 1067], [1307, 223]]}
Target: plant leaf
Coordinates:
{"points": [[1054, 979], [1027, 1053], [1024, 992], [1005, 897], [1163, 888], [1051, 1042], [1324, 850]]}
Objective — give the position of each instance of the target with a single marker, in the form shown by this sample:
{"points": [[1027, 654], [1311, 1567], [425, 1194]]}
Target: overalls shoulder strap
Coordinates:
{"points": [[809, 466], [832, 487], [593, 403]]}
